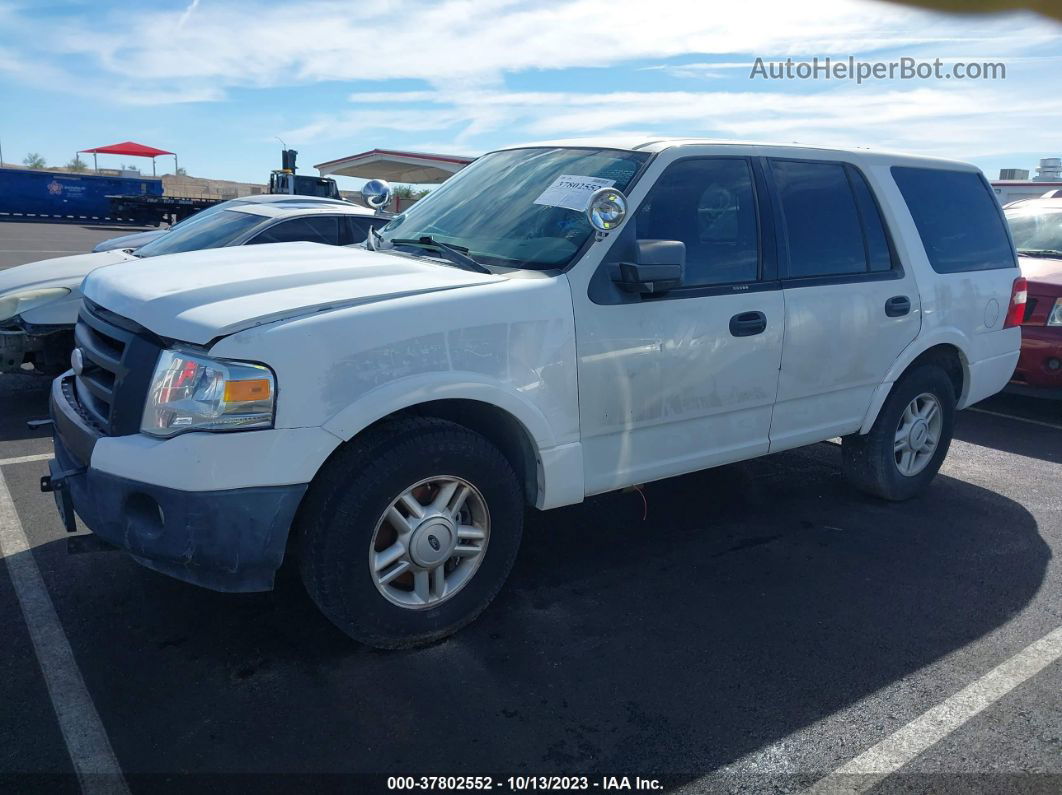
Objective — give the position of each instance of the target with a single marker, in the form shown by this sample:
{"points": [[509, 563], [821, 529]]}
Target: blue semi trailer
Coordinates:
{"points": [[32, 195]]}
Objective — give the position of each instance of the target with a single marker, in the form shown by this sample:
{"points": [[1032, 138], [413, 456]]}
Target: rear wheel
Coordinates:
{"points": [[909, 440], [409, 532]]}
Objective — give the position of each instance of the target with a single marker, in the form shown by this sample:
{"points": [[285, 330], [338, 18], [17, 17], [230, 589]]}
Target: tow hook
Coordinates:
{"points": [[55, 483]]}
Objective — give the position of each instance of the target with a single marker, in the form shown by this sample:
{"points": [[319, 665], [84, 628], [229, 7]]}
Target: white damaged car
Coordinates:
{"points": [[553, 322]]}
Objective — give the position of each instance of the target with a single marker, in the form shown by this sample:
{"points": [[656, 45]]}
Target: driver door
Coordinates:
{"points": [[686, 380]]}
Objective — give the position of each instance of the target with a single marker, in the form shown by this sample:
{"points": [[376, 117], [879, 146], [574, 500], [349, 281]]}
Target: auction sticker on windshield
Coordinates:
{"points": [[572, 191]]}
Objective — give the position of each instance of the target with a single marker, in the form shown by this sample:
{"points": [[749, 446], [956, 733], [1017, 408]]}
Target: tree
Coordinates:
{"points": [[181, 172], [407, 192], [33, 160], [76, 165]]}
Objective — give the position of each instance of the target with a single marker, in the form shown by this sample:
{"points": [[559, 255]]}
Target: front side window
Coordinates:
{"points": [[312, 229], [199, 232], [490, 206], [710, 205], [822, 222], [358, 228], [957, 218]]}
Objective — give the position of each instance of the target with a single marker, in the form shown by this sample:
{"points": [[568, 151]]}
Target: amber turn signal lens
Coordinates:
{"points": [[255, 389]]}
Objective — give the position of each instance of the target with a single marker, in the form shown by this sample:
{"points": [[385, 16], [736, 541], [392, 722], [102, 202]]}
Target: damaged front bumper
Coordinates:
{"points": [[36, 350], [226, 540]]}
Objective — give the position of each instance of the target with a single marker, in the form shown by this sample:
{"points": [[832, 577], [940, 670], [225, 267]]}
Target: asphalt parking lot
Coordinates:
{"points": [[760, 626], [28, 242]]}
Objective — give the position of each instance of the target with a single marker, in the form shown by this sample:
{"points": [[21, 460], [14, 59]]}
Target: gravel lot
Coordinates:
{"points": [[760, 628]]}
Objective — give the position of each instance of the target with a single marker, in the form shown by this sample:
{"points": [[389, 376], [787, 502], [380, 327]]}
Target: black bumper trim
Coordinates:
{"points": [[228, 540]]}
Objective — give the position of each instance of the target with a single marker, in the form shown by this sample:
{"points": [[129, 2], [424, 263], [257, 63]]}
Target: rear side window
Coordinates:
{"points": [[315, 229], [957, 217], [822, 221]]}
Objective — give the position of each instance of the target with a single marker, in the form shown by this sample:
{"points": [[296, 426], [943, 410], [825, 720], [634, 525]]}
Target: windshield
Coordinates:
{"points": [[1036, 229], [490, 207], [202, 231], [208, 211]]}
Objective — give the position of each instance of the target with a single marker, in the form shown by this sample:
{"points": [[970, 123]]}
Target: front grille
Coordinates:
{"points": [[118, 359]]}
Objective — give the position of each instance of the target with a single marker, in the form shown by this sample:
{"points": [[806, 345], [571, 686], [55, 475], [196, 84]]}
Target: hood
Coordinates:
{"points": [[58, 272], [1042, 271], [201, 295], [135, 240]]}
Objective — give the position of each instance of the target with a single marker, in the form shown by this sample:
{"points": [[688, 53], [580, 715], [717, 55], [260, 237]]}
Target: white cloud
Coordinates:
{"points": [[965, 120], [465, 53], [229, 43]]}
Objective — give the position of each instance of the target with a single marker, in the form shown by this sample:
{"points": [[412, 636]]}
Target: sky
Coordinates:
{"points": [[219, 81]]}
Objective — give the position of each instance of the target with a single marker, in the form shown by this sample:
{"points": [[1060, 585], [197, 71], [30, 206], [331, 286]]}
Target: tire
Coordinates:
{"points": [[872, 463], [342, 526]]}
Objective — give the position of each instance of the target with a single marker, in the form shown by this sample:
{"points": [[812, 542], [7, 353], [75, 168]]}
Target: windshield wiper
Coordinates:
{"points": [[458, 255], [1040, 252]]}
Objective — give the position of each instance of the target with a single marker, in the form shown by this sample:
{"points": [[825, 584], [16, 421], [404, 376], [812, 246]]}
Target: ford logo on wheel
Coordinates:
{"points": [[434, 543], [77, 361]]}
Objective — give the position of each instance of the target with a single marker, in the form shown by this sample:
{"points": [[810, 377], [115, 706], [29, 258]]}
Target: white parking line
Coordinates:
{"points": [[86, 741], [26, 459], [1019, 419], [895, 751]]}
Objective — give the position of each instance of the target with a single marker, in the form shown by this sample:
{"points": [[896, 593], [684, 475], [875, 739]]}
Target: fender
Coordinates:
{"points": [[944, 335], [560, 462]]}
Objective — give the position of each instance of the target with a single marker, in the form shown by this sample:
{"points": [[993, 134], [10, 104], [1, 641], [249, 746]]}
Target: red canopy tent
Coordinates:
{"points": [[131, 149]]}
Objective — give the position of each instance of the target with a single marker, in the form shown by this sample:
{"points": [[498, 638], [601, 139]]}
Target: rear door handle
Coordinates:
{"points": [[748, 324], [898, 306]]}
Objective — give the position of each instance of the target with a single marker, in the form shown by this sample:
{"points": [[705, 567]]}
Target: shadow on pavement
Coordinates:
{"points": [[752, 601], [22, 398], [1010, 435]]}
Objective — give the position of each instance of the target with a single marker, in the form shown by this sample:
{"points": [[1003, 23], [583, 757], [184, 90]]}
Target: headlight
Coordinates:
{"points": [[194, 393], [1055, 318], [17, 303]]}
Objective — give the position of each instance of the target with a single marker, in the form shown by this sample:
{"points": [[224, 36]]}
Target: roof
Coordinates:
{"points": [[130, 148], [294, 209], [1034, 203], [396, 166], [292, 198], [1026, 183], [659, 144]]}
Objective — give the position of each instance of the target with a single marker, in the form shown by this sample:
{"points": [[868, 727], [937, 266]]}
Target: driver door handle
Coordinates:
{"points": [[748, 324]]}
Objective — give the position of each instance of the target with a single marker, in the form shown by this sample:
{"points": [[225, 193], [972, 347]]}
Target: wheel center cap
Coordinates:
{"points": [[432, 542], [919, 434]]}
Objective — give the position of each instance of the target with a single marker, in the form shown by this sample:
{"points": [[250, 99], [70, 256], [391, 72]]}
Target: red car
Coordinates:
{"points": [[1036, 226]]}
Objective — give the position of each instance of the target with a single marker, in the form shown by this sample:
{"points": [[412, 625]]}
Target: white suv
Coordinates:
{"points": [[384, 413]]}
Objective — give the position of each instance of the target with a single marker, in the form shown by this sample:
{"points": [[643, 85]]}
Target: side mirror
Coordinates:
{"points": [[659, 266], [377, 193]]}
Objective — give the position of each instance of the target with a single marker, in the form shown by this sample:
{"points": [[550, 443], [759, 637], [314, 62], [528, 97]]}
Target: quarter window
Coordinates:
{"points": [[710, 205], [957, 217]]}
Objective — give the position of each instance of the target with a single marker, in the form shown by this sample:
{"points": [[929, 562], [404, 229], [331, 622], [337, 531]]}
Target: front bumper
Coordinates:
{"points": [[226, 540], [44, 353]]}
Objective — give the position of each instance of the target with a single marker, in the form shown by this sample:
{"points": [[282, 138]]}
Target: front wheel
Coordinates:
{"points": [[409, 532], [908, 441]]}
